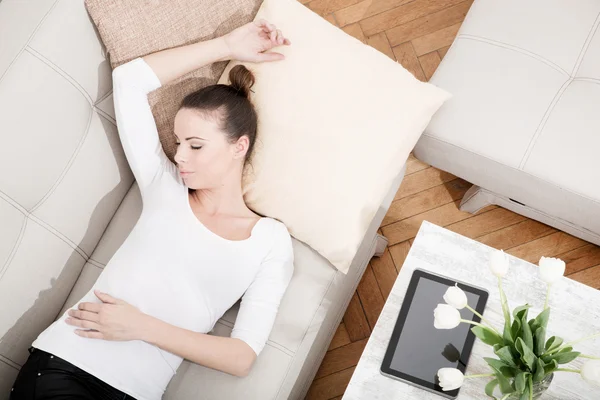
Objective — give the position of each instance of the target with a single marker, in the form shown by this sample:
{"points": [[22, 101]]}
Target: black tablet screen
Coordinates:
{"points": [[417, 349]]}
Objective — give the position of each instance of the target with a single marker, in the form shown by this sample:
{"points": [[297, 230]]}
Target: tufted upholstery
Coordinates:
{"points": [[68, 200], [63, 173], [524, 121]]}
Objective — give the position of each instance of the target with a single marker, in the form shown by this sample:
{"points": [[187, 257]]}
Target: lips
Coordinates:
{"points": [[185, 173]]}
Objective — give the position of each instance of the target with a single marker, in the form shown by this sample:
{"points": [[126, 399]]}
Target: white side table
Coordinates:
{"points": [[575, 314]]}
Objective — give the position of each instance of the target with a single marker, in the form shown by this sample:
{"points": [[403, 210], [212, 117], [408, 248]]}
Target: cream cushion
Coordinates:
{"points": [[337, 121]]}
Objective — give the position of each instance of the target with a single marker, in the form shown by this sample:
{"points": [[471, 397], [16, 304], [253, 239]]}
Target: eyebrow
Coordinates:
{"points": [[191, 137]]}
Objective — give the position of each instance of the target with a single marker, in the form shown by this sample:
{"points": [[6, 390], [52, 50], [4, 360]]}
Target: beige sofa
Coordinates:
{"points": [[68, 200], [523, 123]]}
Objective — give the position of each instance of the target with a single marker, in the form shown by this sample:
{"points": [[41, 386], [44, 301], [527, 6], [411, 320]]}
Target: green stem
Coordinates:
{"points": [[578, 341], [547, 296], [483, 319], [505, 308], [590, 357], [530, 387], [474, 323], [479, 376], [505, 396], [577, 371]]}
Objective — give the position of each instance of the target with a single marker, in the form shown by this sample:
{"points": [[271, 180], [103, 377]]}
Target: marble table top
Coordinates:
{"points": [[575, 314]]}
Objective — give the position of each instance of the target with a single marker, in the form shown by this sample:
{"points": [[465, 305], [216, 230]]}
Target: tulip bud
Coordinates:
{"points": [[551, 269], [446, 317], [499, 263], [456, 297], [590, 372], [450, 378]]}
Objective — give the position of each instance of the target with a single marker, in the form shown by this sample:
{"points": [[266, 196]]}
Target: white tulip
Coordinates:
{"points": [[499, 263], [450, 378], [551, 269], [590, 372], [445, 317], [456, 297]]}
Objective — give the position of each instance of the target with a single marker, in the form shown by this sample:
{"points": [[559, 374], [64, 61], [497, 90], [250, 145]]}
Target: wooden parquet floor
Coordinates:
{"points": [[417, 33]]}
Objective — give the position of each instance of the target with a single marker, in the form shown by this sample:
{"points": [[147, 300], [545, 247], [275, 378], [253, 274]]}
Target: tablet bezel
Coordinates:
{"points": [[399, 324]]}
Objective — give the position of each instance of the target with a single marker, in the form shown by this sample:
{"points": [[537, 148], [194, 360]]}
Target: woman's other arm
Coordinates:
{"points": [[133, 81], [229, 355], [246, 43]]}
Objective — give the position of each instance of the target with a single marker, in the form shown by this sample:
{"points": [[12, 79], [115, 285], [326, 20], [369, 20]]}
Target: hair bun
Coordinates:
{"points": [[241, 79]]}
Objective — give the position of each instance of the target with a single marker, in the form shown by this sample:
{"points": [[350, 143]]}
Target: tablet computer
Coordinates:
{"points": [[417, 350]]}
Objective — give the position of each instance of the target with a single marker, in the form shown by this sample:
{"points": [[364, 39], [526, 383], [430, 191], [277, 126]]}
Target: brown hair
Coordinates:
{"points": [[236, 114]]}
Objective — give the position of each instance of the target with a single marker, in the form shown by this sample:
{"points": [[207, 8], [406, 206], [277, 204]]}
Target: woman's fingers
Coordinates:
{"points": [[87, 315], [81, 323], [93, 307], [90, 334], [265, 25], [271, 33]]}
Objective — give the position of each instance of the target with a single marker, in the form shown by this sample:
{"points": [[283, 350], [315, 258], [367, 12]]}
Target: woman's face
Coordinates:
{"points": [[204, 153]]}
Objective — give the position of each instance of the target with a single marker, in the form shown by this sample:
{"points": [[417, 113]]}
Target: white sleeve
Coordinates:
{"points": [[261, 300], [132, 82]]}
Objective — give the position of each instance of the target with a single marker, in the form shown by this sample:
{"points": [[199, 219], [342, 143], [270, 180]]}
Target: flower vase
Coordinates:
{"points": [[539, 388]]}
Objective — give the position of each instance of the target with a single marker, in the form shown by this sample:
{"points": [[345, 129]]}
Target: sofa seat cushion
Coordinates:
{"points": [[524, 118]]}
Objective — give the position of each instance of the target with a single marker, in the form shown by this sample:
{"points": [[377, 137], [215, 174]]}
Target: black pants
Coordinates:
{"points": [[47, 377]]}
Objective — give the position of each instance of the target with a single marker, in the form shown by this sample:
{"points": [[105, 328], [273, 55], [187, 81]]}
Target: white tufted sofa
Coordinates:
{"points": [[68, 200], [524, 121]]}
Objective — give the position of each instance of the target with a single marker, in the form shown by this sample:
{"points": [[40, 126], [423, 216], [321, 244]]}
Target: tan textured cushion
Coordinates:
{"points": [[337, 121], [135, 28]]}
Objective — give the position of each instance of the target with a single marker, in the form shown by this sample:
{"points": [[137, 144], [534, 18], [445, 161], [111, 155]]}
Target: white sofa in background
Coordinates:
{"points": [[524, 122], [68, 200]]}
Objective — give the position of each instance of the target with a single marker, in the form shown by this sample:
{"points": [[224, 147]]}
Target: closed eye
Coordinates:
{"points": [[193, 148]]}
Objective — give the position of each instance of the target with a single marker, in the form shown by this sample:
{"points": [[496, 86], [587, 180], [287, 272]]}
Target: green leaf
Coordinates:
{"points": [[487, 335], [520, 312], [526, 333], [515, 329], [505, 355], [550, 367], [532, 325], [539, 339], [501, 367], [505, 386], [489, 388], [527, 355], [539, 373], [520, 381], [553, 343], [552, 355], [566, 349], [542, 319], [564, 358]]}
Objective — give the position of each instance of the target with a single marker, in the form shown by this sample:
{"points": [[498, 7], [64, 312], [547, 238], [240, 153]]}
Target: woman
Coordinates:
{"points": [[195, 250]]}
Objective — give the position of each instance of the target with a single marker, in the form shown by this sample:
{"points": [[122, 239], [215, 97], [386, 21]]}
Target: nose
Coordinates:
{"points": [[179, 159]]}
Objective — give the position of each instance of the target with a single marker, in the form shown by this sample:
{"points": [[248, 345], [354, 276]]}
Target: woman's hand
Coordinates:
{"points": [[249, 42], [114, 319]]}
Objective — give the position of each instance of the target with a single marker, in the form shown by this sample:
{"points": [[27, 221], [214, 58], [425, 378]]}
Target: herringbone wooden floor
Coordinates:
{"points": [[417, 33]]}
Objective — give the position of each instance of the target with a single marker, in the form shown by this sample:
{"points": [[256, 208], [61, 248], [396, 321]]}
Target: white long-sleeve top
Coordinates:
{"points": [[171, 266]]}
